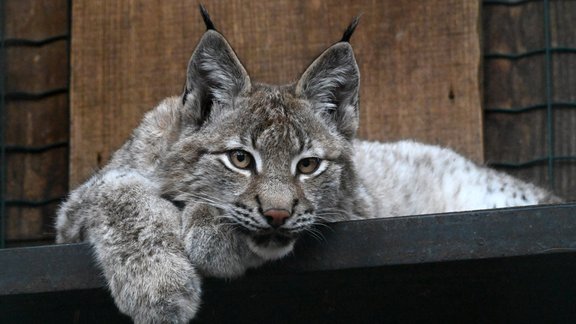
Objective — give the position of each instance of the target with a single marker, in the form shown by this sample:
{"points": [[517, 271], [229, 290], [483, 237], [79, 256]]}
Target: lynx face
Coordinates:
{"points": [[270, 166], [272, 160]]}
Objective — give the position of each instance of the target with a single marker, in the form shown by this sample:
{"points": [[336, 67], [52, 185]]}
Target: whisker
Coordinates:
{"points": [[206, 199], [221, 205], [341, 214], [316, 234], [331, 218], [333, 212], [225, 219], [323, 225]]}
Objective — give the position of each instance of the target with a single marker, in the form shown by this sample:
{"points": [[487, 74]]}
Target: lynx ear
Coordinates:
{"points": [[215, 75], [332, 83]]}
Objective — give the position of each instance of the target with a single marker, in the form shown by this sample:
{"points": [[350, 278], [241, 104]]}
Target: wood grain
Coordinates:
{"points": [[35, 176], [36, 19], [563, 19], [511, 84], [420, 63]]}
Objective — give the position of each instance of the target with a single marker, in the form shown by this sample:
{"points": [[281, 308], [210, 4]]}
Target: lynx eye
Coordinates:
{"points": [[240, 159], [308, 165]]}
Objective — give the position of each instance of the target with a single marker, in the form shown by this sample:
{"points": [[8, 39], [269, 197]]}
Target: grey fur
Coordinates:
{"points": [[171, 206]]}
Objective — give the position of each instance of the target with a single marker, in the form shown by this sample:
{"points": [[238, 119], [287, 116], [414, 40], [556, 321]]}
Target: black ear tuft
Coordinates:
{"points": [[207, 21], [350, 30]]}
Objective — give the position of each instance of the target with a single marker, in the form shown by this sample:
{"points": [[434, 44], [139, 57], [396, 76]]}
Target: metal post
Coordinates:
{"points": [[549, 94], [2, 128]]}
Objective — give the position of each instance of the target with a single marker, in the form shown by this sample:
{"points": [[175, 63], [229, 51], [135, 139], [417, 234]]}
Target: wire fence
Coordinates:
{"points": [[2, 127], [20, 96], [549, 105]]}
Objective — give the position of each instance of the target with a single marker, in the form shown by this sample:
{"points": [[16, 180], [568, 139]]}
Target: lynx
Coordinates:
{"points": [[228, 175]]}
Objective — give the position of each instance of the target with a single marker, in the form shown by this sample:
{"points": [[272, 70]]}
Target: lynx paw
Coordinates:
{"points": [[161, 302]]}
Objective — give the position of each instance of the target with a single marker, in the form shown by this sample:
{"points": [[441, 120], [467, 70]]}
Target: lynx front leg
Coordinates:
{"points": [[135, 238], [214, 247]]}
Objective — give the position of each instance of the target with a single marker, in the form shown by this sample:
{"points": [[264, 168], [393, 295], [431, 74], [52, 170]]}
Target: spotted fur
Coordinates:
{"points": [[173, 205]]}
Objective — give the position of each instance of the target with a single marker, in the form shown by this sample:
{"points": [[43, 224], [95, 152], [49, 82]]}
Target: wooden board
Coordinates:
{"points": [[43, 176], [420, 63], [518, 83]]}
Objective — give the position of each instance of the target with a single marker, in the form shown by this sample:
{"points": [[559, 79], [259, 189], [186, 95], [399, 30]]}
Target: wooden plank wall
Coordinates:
{"points": [[41, 176], [420, 63], [518, 83], [273, 56]]}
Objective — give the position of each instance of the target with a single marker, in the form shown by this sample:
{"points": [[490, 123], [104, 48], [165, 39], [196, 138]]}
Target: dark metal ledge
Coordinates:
{"points": [[516, 264], [345, 245]]}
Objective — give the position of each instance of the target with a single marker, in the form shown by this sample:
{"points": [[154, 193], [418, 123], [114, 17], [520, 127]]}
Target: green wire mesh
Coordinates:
{"points": [[549, 105], [549, 94], [2, 127], [23, 95], [6, 150]]}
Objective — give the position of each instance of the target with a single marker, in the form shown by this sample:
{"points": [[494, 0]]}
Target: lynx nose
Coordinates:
{"points": [[276, 217]]}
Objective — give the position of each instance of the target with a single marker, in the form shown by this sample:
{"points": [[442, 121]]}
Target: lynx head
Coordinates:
{"points": [[271, 160]]}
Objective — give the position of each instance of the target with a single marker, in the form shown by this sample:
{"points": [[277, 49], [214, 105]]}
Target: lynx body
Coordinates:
{"points": [[228, 175]]}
